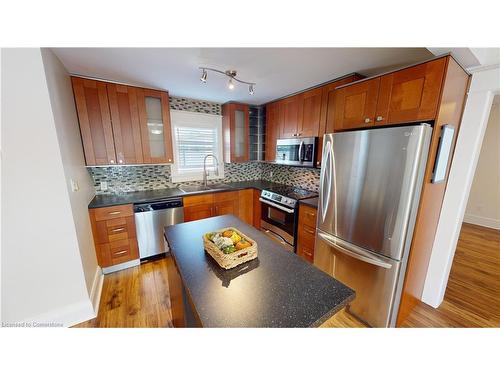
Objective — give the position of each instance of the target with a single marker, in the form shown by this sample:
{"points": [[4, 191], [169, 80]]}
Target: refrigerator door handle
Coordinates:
{"points": [[353, 251], [326, 180]]}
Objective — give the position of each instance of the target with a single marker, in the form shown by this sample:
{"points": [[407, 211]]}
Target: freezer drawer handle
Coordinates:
{"points": [[353, 253]]}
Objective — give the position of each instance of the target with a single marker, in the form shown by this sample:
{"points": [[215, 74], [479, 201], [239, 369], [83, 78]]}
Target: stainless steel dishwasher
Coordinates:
{"points": [[150, 219]]}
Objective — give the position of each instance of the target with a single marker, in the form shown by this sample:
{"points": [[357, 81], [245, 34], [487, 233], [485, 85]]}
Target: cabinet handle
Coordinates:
{"points": [[379, 118], [114, 213], [309, 231], [121, 252], [367, 120], [118, 229]]}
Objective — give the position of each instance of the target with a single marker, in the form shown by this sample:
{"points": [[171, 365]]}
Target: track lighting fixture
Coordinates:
{"points": [[232, 77]]}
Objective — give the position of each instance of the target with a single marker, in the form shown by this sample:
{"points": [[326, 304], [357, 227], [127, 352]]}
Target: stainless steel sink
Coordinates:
{"points": [[197, 188]]}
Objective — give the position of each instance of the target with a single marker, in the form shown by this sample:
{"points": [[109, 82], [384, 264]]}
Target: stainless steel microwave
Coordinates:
{"points": [[297, 151]]}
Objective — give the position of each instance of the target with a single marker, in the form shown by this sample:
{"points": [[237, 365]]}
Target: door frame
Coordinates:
{"points": [[484, 86]]}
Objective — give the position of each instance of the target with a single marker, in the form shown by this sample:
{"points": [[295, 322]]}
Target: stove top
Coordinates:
{"points": [[293, 192], [287, 195]]}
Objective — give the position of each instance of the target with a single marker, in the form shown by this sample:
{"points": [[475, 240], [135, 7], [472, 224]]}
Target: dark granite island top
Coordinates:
{"points": [[278, 289]]}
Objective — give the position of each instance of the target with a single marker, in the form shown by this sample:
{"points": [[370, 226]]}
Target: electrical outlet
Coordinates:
{"points": [[74, 185], [104, 186]]}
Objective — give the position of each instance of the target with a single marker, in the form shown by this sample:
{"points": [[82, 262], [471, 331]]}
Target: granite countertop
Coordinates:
{"points": [[278, 289], [106, 200], [313, 202]]}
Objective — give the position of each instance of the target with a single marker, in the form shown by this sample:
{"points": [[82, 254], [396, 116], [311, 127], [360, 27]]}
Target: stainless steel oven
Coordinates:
{"points": [[296, 151], [279, 222]]}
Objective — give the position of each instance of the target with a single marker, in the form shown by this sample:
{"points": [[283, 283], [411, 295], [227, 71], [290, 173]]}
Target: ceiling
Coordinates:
{"points": [[277, 71]]}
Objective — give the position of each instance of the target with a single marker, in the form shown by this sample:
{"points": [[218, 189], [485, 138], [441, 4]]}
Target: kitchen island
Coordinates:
{"points": [[278, 289]]}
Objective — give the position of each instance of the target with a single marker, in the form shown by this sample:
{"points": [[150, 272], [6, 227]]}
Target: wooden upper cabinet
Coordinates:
{"points": [[410, 94], [407, 95], [355, 105], [156, 131], [272, 130], [289, 116], [310, 113], [122, 124], [125, 120], [91, 100], [236, 132]]}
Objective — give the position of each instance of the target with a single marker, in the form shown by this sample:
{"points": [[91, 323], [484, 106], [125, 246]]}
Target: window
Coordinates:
{"points": [[196, 135]]}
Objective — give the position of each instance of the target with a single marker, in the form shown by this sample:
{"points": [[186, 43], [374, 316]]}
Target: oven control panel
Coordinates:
{"points": [[278, 198]]}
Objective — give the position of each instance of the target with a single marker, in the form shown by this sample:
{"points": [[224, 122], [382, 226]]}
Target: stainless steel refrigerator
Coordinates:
{"points": [[369, 194]]}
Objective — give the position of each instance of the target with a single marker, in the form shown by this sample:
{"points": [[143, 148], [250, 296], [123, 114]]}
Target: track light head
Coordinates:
{"points": [[251, 89], [230, 85], [203, 77]]}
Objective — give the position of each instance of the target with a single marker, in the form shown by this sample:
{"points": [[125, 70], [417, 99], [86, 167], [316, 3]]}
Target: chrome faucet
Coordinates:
{"points": [[205, 172]]}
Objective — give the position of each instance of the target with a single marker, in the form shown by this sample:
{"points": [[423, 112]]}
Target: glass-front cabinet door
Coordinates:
{"points": [[235, 120], [156, 134]]}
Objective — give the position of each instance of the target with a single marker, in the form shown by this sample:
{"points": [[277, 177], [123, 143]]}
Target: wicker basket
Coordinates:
{"points": [[234, 259]]}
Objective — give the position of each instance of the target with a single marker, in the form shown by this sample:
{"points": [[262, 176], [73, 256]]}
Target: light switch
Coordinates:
{"points": [[74, 185], [104, 186]]}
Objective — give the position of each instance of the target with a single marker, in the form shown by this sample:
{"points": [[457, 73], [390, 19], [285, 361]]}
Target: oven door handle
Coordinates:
{"points": [[275, 236], [289, 210]]}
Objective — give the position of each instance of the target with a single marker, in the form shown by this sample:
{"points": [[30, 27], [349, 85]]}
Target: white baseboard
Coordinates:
{"points": [[95, 294], [482, 221], [65, 317]]}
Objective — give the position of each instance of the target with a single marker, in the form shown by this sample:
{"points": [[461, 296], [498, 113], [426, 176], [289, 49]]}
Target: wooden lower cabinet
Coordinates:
{"points": [[114, 234], [198, 211], [306, 234], [175, 292], [246, 205], [257, 208], [238, 203]]}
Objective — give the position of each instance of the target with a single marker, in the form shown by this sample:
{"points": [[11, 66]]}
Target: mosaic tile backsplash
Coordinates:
{"points": [[193, 105], [123, 179]]}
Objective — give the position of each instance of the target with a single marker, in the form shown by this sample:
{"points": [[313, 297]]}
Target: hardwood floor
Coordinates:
{"points": [[472, 297], [138, 297], [135, 297]]}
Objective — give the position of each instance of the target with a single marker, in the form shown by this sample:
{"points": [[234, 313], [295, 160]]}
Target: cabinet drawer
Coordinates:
{"points": [[114, 229], [307, 215], [307, 235], [226, 196], [198, 199], [113, 212], [306, 252], [123, 251]]}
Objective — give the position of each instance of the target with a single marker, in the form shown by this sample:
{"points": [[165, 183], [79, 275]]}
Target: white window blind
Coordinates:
{"points": [[193, 144], [196, 135]]}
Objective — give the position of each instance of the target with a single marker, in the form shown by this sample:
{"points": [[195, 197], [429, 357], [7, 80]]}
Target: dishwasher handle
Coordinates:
{"points": [[158, 205]]}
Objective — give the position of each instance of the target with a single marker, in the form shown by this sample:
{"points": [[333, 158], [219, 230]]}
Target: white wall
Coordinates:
{"points": [[484, 85], [483, 207], [70, 146], [42, 273]]}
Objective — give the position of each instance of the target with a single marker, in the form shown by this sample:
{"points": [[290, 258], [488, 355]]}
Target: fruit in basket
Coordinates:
{"points": [[242, 244], [235, 238], [229, 249], [227, 233]]}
